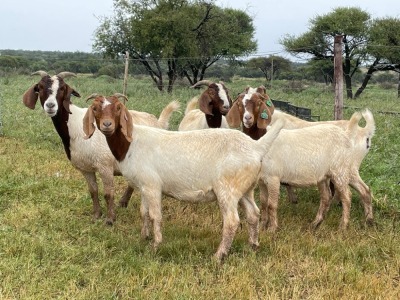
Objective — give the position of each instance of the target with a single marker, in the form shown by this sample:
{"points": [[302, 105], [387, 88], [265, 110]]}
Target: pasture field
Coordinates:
{"points": [[51, 249]]}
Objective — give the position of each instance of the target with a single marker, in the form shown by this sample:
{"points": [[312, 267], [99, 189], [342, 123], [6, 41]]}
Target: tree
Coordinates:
{"points": [[270, 66], [352, 23], [383, 48], [179, 37]]}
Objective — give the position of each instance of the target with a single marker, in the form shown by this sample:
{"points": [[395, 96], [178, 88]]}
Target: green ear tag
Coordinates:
{"points": [[269, 103], [264, 115]]}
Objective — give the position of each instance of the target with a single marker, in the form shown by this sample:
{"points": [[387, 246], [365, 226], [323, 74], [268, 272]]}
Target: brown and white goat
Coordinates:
{"points": [[253, 111], [214, 103], [89, 157], [201, 165]]}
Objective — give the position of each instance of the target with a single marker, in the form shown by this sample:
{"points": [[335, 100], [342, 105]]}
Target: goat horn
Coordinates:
{"points": [[66, 74], [202, 82], [119, 95], [41, 73], [92, 96]]}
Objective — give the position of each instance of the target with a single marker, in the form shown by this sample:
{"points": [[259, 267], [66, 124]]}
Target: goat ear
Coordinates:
{"points": [[233, 116], [204, 104], [126, 124], [268, 102], [264, 116], [30, 97], [88, 126], [67, 100]]}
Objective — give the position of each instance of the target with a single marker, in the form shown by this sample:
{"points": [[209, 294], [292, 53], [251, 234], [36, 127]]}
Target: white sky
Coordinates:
{"points": [[50, 25]]}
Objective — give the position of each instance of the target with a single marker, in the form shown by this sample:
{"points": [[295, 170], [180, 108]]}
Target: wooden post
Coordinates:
{"points": [[272, 70], [338, 77], [126, 74]]}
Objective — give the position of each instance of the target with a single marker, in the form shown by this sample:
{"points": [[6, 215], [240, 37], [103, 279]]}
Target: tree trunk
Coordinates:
{"points": [[398, 88], [155, 76], [367, 77], [171, 74], [347, 68]]}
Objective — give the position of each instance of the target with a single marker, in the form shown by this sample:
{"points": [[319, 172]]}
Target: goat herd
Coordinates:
{"points": [[206, 159]]}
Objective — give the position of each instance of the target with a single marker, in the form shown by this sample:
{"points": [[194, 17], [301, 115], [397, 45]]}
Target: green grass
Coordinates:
{"points": [[51, 249]]}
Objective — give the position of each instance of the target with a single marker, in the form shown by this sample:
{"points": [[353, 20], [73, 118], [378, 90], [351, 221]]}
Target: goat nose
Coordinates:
{"points": [[107, 123], [226, 106], [248, 117], [50, 104]]}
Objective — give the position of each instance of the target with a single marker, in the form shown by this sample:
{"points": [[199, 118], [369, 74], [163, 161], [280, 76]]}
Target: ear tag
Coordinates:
{"points": [[264, 115], [269, 103]]}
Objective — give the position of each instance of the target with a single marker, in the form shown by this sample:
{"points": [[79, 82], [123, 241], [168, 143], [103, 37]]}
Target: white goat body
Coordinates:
{"points": [[312, 156], [200, 165]]}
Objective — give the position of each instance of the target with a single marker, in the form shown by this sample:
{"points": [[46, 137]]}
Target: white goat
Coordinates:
{"points": [[214, 103], [292, 122], [313, 156], [202, 165], [91, 156]]}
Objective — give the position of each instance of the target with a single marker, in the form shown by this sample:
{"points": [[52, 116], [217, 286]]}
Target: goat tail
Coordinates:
{"points": [[192, 104], [367, 131], [267, 139], [166, 113], [370, 122]]}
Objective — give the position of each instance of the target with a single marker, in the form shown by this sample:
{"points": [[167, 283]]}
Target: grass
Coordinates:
{"points": [[50, 248]]}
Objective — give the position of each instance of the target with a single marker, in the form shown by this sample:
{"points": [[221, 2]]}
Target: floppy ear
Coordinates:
{"points": [[126, 124], [268, 102], [262, 90], [204, 104], [233, 116], [30, 97], [264, 115], [67, 100], [88, 126]]}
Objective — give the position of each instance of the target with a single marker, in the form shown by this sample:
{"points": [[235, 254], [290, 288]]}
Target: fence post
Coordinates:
{"points": [[338, 75], [126, 74]]}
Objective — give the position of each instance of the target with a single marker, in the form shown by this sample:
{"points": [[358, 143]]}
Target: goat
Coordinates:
{"points": [[201, 165], [55, 98], [316, 155], [254, 111], [292, 122], [214, 103]]}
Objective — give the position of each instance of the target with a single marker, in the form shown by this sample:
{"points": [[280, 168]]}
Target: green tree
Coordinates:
{"points": [[271, 66], [383, 48], [350, 22], [176, 37]]}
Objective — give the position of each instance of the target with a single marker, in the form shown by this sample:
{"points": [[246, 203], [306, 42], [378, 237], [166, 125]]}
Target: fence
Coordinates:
{"points": [[298, 111]]}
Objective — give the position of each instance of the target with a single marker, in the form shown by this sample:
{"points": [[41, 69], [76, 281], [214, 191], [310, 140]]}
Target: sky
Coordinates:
{"points": [[49, 25]]}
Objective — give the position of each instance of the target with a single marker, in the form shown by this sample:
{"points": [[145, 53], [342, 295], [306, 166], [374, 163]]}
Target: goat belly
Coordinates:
{"points": [[192, 196]]}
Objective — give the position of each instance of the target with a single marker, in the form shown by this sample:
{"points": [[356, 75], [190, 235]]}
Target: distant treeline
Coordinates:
{"points": [[26, 62]]}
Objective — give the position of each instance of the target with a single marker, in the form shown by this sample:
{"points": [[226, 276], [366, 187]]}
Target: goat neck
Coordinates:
{"points": [[214, 120]]}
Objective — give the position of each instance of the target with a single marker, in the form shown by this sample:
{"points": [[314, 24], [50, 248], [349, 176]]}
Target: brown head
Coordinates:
{"points": [[251, 110], [111, 116], [55, 98], [215, 100], [263, 91], [53, 92]]}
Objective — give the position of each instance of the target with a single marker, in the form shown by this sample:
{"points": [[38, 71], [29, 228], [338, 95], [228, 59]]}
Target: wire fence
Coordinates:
{"points": [[1, 119]]}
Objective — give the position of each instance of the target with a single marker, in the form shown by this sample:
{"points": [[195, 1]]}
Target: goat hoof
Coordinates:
{"points": [[255, 247], [109, 222], [370, 222], [219, 258], [123, 204]]}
